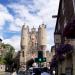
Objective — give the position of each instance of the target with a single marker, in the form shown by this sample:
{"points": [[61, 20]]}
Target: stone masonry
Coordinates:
{"points": [[31, 42]]}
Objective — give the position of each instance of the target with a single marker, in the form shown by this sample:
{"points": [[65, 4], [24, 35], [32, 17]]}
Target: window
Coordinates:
{"points": [[23, 53], [58, 26], [74, 5], [23, 47], [63, 7], [65, 22]]}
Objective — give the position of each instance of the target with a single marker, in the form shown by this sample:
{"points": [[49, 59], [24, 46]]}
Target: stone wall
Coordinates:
{"points": [[2, 67]]}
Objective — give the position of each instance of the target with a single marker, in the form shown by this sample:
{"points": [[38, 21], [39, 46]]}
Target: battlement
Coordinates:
{"points": [[24, 27], [33, 29], [42, 26], [32, 41]]}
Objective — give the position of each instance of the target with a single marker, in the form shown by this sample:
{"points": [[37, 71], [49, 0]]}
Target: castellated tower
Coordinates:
{"points": [[42, 40], [24, 37], [24, 45], [31, 42], [42, 35]]}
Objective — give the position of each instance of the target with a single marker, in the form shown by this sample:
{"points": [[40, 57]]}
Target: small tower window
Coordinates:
{"points": [[65, 22], [1, 67], [23, 53], [23, 47]]}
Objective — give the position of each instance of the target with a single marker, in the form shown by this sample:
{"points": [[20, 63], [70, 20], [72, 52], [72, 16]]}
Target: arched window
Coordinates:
{"points": [[23, 53], [22, 47]]}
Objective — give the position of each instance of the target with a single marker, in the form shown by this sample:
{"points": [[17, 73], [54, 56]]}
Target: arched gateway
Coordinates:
{"points": [[29, 63], [31, 42]]}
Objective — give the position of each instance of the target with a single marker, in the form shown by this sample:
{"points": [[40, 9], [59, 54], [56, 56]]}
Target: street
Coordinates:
{"points": [[8, 73], [5, 73], [37, 37]]}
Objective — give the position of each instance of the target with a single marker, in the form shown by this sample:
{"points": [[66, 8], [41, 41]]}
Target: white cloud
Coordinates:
{"points": [[40, 4], [14, 28], [4, 16], [14, 41], [46, 8], [16, 25], [19, 22], [23, 16]]}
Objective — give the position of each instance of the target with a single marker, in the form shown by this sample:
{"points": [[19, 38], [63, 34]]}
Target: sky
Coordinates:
{"points": [[15, 13]]}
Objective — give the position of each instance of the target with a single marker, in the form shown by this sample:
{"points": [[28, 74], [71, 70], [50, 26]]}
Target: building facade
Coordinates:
{"points": [[2, 50], [32, 41], [64, 38]]}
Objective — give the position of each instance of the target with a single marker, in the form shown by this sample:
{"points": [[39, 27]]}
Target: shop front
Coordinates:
{"points": [[64, 57]]}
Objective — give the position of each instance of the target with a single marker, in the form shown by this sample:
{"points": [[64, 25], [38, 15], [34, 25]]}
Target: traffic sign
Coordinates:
{"points": [[40, 59]]}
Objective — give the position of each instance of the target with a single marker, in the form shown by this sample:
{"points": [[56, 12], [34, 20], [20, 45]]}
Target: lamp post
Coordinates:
{"points": [[53, 72], [57, 38]]}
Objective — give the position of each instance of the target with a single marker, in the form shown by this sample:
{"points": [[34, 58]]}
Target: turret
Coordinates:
{"points": [[24, 37], [33, 30], [42, 35]]}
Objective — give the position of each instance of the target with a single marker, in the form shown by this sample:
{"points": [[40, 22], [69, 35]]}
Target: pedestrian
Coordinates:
{"points": [[14, 72], [45, 72]]}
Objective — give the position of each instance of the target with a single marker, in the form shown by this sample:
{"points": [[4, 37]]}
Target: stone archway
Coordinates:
{"points": [[29, 63]]}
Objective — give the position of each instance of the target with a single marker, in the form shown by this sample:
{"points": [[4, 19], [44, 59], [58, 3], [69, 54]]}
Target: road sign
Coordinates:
{"points": [[40, 59]]}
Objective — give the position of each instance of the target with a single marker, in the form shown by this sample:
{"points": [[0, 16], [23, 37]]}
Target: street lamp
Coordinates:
{"points": [[53, 72], [57, 37], [54, 16]]}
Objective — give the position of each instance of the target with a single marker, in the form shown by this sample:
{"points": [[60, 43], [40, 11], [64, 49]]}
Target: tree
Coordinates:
{"points": [[2, 61], [9, 48], [9, 53]]}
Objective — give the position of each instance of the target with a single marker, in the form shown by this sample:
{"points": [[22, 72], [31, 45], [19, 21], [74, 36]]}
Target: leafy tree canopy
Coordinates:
{"points": [[7, 58]]}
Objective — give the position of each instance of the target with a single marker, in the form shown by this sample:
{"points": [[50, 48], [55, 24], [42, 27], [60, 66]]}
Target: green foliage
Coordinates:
{"points": [[9, 48], [7, 57], [2, 61]]}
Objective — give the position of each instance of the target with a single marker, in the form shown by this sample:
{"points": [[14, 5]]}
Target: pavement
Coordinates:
{"points": [[5, 73], [8, 73]]}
